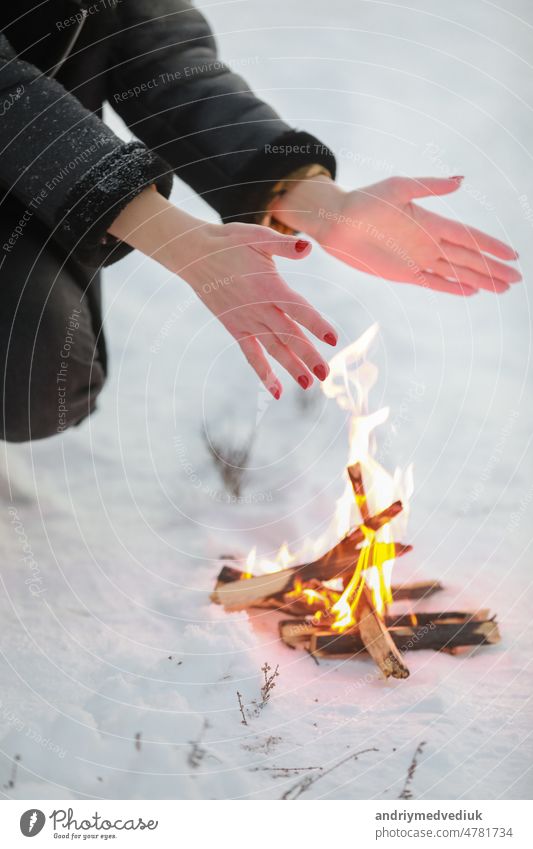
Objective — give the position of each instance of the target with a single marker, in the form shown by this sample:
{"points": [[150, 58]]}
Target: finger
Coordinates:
{"points": [[277, 244], [470, 277], [457, 254], [298, 308], [440, 284], [461, 234], [291, 248], [408, 188], [254, 354], [285, 357], [291, 335]]}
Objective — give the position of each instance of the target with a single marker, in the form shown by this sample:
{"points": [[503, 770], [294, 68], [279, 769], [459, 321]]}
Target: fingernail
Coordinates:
{"points": [[320, 372], [276, 392], [303, 380], [456, 178], [330, 339], [301, 245]]}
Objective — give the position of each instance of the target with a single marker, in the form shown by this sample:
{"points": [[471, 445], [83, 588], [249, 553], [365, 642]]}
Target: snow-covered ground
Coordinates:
{"points": [[125, 516]]}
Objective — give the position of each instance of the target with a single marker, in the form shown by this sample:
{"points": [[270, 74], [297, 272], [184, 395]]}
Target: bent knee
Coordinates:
{"points": [[48, 408]]}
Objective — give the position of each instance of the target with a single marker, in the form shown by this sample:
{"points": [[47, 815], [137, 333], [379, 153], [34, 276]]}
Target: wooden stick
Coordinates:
{"points": [[414, 620], [355, 473], [340, 559], [444, 636], [377, 640], [418, 590], [299, 606], [230, 573], [333, 564], [297, 631]]}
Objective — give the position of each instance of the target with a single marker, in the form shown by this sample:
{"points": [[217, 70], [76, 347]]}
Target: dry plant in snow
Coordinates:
{"points": [[231, 461], [269, 682]]}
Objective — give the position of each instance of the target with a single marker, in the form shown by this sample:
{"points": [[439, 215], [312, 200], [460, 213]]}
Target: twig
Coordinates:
{"points": [[241, 708], [407, 792], [284, 771], [265, 746], [266, 692], [302, 786], [269, 684]]}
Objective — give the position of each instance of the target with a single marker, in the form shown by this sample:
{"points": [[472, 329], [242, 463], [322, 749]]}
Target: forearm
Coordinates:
{"points": [[308, 205], [159, 229]]}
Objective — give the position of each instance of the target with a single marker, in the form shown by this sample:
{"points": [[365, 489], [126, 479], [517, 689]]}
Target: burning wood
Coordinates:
{"points": [[377, 640], [308, 598], [342, 599], [436, 631], [336, 563], [346, 622]]}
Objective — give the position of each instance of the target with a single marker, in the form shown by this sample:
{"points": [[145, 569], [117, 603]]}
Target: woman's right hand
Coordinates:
{"points": [[237, 280], [231, 269]]}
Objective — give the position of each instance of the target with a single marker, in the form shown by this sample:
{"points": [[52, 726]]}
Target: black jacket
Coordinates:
{"points": [[156, 63]]}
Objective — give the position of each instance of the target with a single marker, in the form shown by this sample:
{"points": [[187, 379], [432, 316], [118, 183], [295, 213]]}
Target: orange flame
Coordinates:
{"points": [[349, 383], [369, 570]]}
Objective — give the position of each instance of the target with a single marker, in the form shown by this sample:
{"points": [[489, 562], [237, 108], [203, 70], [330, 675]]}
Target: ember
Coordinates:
{"points": [[342, 598]]}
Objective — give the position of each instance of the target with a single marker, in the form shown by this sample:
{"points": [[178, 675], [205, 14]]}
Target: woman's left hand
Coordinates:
{"points": [[380, 230]]}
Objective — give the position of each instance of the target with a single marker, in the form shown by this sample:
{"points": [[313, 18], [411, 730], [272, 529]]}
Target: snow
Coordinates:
{"points": [[109, 551]]}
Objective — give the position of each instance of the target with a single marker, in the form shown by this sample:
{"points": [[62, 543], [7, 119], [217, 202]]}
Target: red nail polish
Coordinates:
{"points": [[320, 372], [301, 245], [303, 380], [276, 393], [330, 339]]}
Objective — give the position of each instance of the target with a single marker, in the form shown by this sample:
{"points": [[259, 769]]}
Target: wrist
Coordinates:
{"points": [[308, 205], [159, 229]]}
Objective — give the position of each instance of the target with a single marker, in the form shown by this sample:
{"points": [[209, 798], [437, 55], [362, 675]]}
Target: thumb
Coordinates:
{"points": [[277, 244], [292, 248], [421, 187]]}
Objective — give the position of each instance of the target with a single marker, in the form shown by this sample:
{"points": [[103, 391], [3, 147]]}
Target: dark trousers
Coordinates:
{"points": [[52, 350]]}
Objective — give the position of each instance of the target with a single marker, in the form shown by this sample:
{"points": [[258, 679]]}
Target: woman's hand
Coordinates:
{"points": [[237, 280], [231, 269], [378, 229]]}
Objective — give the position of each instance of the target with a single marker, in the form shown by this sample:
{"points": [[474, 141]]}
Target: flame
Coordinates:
{"points": [[344, 608], [313, 597], [351, 379], [284, 557], [282, 560]]}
